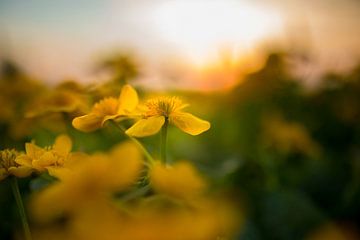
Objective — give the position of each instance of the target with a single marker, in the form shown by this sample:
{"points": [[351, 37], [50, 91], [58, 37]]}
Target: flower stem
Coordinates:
{"points": [[141, 147], [20, 205], [163, 140]]}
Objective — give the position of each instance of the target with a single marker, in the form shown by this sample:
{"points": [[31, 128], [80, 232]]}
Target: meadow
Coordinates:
{"points": [[267, 158]]}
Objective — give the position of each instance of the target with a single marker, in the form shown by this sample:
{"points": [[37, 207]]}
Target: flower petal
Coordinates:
{"points": [[128, 99], [59, 172], [126, 163], [180, 180], [110, 117], [32, 150], [74, 159], [63, 145], [21, 171], [50, 203], [189, 123], [146, 127], [46, 160], [24, 160], [87, 123]]}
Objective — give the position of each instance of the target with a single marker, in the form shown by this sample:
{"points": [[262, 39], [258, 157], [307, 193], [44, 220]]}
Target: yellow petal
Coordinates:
{"points": [[128, 99], [181, 180], [63, 145], [87, 123], [126, 163], [59, 172], [50, 203], [32, 150], [189, 123], [110, 117], [146, 127], [47, 159], [24, 160], [75, 158], [21, 171]]}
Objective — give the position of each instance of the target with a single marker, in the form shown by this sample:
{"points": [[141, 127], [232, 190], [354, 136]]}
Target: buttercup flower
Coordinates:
{"points": [[108, 108], [159, 110], [288, 137], [161, 218], [90, 178], [42, 159], [58, 100], [154, 218], [180, 180], [8, 166]]}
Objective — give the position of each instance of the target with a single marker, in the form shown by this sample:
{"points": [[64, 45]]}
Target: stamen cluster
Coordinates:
{"points": [[163, 106], [7, 158]]}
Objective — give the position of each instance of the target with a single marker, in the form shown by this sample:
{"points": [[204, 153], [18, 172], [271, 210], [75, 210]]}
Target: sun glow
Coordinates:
{"points": [[199, 29]]}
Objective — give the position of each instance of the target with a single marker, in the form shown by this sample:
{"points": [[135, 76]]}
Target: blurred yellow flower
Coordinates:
{"points": [[203, 220], [90, 178], [288, 137], [20, 88], [152, 219], [180, 180], [8, 166], [58, 100], [159, 110], [42, 159], [16, 92], [84, 197], [107, 109]]}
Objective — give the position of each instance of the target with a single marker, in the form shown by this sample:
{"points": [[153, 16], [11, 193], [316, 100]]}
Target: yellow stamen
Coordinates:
{"points": [[7, 158], [163, 106], [107, 106]]}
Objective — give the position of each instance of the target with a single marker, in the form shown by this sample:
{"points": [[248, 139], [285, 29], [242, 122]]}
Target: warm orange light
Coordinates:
{"points": [[199, 28]]}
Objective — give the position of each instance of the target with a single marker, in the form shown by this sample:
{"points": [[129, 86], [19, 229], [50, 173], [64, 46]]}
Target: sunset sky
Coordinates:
{"points": [[54, 40]]}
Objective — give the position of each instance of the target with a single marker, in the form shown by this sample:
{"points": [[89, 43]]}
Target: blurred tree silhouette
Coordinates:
{"points": [[9, 70], [123, 67], [120, 68]]}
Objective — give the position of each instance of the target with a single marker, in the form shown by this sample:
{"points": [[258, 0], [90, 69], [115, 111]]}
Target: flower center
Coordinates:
{"points": [[164, 106], [107, 106], [7, 158]]}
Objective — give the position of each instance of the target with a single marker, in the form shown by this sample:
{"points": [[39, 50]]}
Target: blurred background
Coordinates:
{"points": [[279, 80]]}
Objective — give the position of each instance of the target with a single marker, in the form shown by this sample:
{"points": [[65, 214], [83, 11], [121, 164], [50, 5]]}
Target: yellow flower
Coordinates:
{"points": [[58, 100], [288, 137], [151, 218], [8, 166], [90, 178], [161, 219], [158, 111], [180, 180], [203, 220], [108, 108], [42, 159]]}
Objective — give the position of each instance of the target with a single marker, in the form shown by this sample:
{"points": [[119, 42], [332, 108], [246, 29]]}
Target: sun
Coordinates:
{"points": [[200, 28]]}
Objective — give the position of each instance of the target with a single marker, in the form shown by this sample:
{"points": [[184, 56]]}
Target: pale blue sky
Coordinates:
{"points": [[58, 39]]}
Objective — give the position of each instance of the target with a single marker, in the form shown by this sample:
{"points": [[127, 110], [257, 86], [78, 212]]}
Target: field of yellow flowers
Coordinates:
{"points": [[264, 160]]}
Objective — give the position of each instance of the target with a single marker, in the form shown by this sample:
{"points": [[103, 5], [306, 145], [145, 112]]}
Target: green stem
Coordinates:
{"points": [[20, 205], [163, 140], [141, 147]]}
